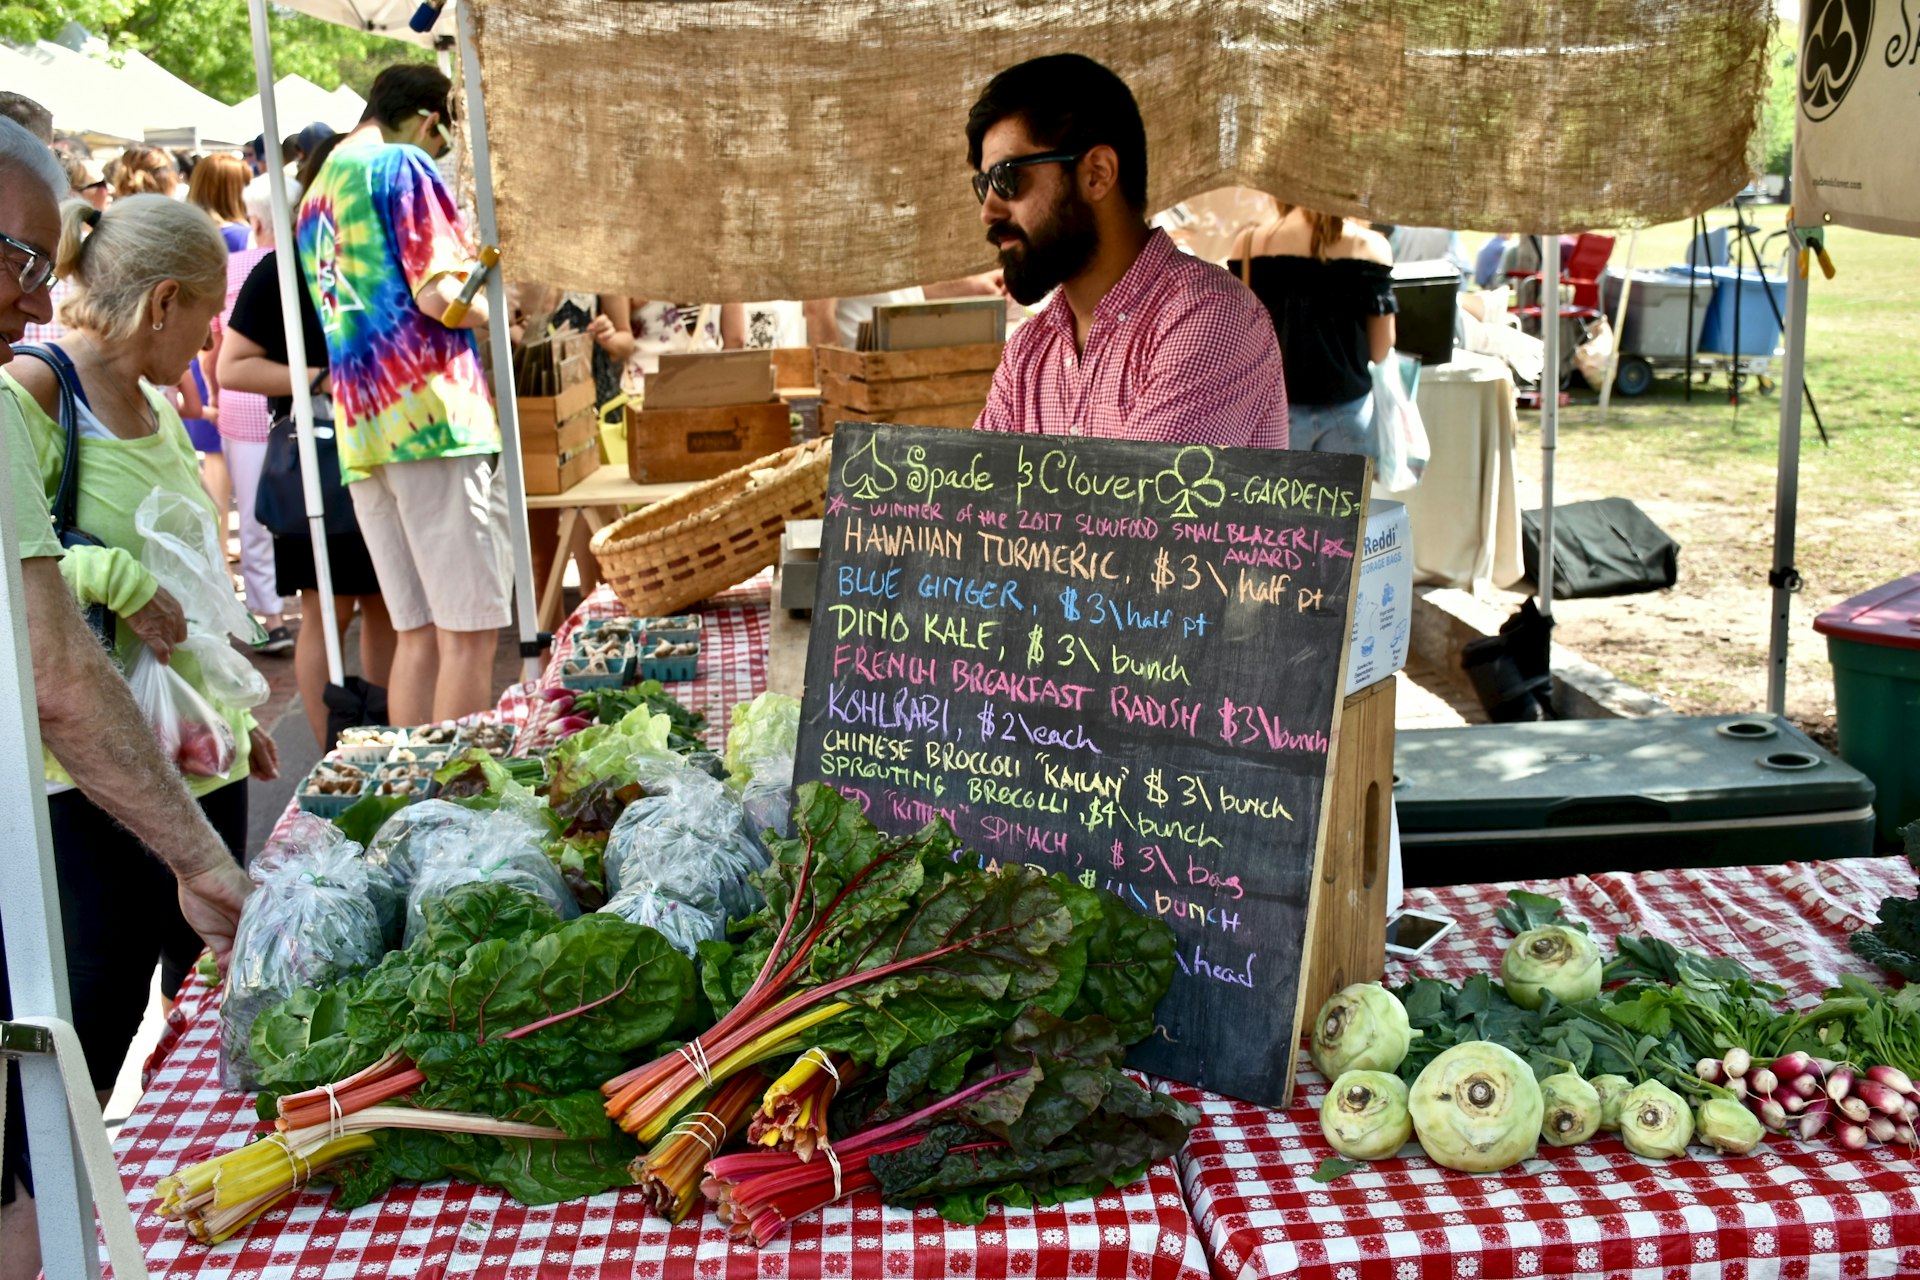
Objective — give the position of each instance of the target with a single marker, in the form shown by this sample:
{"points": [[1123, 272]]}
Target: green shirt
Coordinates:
{"points": [[115, 477], [32, 525]]}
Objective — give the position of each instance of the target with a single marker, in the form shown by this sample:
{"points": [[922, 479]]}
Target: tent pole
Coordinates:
{"points": [[1549, 409], [1784, 579], [1619, 325], [505, 405], [285, 251], [36, 947]]}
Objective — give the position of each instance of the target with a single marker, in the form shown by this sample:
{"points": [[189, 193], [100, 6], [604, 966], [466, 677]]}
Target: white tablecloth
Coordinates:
{"points": [[1465, 517]]}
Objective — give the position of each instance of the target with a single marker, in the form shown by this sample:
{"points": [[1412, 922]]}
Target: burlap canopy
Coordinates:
{"points": [[733, 151]]}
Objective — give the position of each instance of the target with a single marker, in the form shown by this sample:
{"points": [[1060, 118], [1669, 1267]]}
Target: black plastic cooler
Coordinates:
{"points": [[1483, 803]]}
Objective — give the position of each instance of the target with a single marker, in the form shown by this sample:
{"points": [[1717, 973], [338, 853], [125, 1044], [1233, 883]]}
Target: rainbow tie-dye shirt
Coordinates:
{"points": [[377, 225]]}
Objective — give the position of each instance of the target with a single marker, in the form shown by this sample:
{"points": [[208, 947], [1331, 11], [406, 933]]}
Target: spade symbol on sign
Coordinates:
{"points": [[866, 474], [1832, 53]]}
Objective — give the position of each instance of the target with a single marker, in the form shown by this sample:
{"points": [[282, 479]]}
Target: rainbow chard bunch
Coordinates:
{"points": [[1039, 1114], [474, 1052], [871, 947]]}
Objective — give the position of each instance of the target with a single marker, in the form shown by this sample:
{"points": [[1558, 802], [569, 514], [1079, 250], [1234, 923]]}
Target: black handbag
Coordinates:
{"points": [[1607, 547], [280, 505], [66, 496]]}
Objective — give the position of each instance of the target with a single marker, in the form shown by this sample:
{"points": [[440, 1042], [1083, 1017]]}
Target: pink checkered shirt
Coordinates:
{"points": [[243, 415], [1178, 351], [53, 330]]}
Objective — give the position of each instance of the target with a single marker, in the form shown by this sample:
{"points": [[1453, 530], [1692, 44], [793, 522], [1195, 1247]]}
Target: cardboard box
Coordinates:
{"points": [[799, 565], [546, 413], [559, 472], [672, 445], [711, 380], [1383, 599]]}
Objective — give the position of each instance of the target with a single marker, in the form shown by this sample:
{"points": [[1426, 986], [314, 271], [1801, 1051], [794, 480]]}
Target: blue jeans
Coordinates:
{"points": [[1333, 428]]}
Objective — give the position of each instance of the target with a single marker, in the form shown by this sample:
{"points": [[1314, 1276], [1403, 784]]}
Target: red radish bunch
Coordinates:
{"points": [[550, 719], [1807, 1096]]}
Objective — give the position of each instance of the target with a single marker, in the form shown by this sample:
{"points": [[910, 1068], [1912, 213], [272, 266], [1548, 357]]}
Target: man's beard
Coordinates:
{"points": [[1056, 251]]}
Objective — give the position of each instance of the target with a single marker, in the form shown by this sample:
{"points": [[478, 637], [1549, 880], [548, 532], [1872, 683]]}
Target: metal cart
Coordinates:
{"points": [[1735, 313]]}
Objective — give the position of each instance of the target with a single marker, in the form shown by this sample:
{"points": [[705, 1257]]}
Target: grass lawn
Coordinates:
{"points": [[1706, 471]]}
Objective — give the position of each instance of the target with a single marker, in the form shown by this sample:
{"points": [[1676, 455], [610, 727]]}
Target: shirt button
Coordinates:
{"points": [[1123, 315]]}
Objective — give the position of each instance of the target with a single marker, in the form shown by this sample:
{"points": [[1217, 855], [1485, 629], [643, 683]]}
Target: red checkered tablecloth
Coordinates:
{"points": [[454, 1229], [733, 654], [1595, 1209]]}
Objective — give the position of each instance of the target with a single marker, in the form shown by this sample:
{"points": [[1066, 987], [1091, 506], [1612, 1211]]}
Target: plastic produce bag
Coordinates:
{"points": [[685, 843], [195, 737], [495, 846], [760, 752], [183, 551], [396, 849], [684, 927], [398, 845], [1400, 447], [311, 923], [225, 673]]}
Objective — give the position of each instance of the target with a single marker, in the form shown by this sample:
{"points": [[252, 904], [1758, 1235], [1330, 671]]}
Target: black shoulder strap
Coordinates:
{"points": [[66, 497]]}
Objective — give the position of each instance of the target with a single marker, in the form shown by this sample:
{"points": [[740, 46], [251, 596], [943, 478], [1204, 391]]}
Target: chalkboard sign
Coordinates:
{"points": [[1113, 659]]}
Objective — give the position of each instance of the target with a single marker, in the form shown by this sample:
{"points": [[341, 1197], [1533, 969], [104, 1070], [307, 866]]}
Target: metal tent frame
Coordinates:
{"points": [[31, 908], [505, 406]]}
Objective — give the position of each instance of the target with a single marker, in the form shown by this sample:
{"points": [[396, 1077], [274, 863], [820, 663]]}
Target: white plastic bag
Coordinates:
{"points": [[195, 737], [1399, 436], [227, 676], [312, 922], [184, 552]]}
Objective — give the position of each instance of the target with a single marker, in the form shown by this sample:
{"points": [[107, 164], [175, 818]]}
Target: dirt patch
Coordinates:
{"points": [[1702, 646]]}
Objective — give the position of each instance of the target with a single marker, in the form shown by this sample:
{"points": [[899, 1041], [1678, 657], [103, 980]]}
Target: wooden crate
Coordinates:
{"points": [[934, 386], [940, 415], [1347, 922], [546, 413], [671, 445], [793, 367], [559, 471]]}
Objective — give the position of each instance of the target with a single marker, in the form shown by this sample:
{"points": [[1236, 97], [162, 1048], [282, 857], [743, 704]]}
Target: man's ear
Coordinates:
{"points": [[1099, 173]]}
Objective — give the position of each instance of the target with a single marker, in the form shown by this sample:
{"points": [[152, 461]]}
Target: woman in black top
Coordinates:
{"points": [[1328, 283]]}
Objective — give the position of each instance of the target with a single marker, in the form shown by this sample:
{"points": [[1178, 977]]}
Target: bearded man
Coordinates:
{"points": [[1141, 342]]}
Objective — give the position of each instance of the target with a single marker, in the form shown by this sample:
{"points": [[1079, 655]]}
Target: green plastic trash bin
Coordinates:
{"points": [[1873, 641]]}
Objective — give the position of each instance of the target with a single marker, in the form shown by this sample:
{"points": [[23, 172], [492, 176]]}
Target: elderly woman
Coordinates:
{"points": [[149, 274]]}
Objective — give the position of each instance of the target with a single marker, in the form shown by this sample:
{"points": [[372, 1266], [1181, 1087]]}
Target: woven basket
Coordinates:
{"points": [[673, 554]]}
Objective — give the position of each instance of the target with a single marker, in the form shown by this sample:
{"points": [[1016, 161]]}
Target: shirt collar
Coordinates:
{"points": [[1126, 291]]}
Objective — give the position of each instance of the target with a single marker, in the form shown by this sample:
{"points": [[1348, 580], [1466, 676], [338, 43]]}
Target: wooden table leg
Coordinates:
{"points": [[552, 596]]}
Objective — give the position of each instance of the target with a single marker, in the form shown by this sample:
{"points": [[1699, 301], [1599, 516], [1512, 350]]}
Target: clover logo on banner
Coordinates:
{"points": [[1832, 53], [1187, 490]]}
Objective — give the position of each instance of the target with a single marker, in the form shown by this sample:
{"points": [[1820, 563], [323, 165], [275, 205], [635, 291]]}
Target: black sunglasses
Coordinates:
{"points": [[38, 268], [999, 178]]}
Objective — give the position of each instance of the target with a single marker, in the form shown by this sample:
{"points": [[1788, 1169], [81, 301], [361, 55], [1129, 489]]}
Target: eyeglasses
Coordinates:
{"points": [[440, 126], [38, 268], [999, 178]]}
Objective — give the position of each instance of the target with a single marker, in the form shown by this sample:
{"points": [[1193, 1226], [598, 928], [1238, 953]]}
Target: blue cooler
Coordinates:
{"points": [[1759, 321]]}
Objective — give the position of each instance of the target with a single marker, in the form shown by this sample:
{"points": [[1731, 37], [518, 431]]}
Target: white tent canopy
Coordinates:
{"points": [[381, 17], [83, 95], [169, 104], [299, 102]]}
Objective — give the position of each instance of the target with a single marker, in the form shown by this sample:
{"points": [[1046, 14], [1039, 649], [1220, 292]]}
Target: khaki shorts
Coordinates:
{"points": [[436, 531]]}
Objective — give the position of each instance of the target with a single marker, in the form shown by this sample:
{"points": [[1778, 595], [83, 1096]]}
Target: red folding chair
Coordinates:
{"points": [[1581, 267]]}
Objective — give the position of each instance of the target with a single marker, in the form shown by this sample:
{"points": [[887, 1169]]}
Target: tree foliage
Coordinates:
{"points": [[1775, 143], [208, 44]]}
